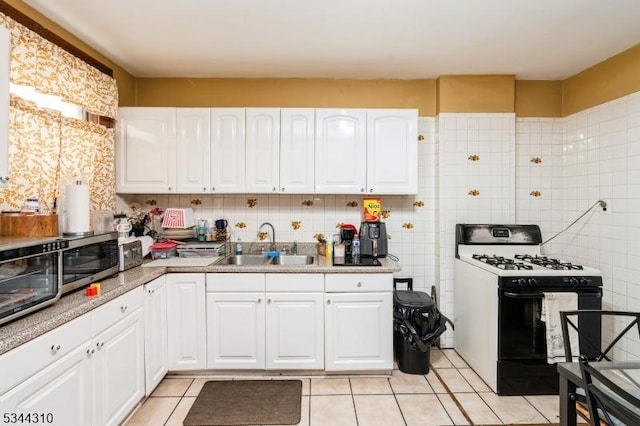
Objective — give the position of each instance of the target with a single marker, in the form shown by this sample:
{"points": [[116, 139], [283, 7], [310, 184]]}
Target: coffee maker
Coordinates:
{"points": [[347, 233], [373, 239]]}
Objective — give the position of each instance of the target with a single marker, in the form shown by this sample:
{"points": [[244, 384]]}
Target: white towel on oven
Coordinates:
{"points": [[552, 304]]}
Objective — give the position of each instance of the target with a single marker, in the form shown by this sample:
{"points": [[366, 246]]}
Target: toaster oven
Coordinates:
{"points": [[30, 277], [86, 260]]}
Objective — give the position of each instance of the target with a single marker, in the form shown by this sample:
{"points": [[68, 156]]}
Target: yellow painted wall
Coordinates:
{"points": [[538, 98], [125, 81], [290, 92], [613, 78], [476, 93]]}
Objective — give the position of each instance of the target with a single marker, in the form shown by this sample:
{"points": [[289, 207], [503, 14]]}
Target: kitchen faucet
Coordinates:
{"points": [[273, 235]]}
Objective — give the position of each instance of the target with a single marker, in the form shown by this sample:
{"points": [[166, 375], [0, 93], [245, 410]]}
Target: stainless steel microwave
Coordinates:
{"points": [[89, 259]]}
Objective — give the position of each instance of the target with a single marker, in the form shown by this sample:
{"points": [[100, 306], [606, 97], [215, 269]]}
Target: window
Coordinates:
{"points": [[48, 101]]}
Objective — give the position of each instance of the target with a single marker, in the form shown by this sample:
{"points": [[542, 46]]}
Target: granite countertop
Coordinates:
{"points": [[75, 304]]}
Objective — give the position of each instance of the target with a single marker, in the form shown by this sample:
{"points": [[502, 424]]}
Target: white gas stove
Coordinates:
{"points": [[501, 278]]}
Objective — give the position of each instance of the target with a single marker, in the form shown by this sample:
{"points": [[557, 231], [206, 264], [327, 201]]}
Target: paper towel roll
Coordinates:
{"points": [[77, 209]]}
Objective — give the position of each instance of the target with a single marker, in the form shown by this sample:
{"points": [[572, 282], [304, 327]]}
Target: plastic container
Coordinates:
{"points": [[164, 250], [239, 247]]}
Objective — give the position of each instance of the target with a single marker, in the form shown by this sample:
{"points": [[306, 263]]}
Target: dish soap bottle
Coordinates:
{"points": [[239, 247]]}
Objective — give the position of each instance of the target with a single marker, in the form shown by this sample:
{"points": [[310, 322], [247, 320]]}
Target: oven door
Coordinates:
{"points": [[27, 284], [521, 332], [522, 349]]}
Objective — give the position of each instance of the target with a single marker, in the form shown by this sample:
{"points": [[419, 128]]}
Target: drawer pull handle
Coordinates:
{"points": [[328, 301], [100, 345], [259, 300], [268, 300], [359, 284], [55, 348], [91, 351], [123, 308]]}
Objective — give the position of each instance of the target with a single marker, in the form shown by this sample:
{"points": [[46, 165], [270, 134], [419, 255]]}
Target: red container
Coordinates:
{"points": [[163, 250]]}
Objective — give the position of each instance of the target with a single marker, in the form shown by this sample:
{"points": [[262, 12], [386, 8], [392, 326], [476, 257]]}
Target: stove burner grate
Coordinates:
{"points": [[501, 262], [548, 262]]}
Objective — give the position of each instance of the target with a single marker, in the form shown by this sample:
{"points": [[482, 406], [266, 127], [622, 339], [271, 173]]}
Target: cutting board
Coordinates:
{"points": [[182, 262], [31, 225]]}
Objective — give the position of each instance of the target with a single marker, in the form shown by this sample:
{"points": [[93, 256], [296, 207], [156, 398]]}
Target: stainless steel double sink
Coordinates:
{"points": [[264, 260]]}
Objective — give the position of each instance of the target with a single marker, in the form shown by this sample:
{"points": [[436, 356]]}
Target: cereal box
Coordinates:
{"points": [[372, 207]]}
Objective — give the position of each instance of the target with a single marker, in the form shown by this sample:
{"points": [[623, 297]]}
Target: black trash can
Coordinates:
{"points": [[417, 324]]}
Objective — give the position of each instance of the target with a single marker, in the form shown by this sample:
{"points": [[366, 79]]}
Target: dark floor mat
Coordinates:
{"points": [[246, 402]]}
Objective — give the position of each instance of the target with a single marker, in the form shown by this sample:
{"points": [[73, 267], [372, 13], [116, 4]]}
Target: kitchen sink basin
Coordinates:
{"points": [[246, 259], [292, 259], [258, 259]]}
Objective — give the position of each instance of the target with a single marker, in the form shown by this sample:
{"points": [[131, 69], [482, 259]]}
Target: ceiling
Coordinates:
{"points": [[364, 39]]}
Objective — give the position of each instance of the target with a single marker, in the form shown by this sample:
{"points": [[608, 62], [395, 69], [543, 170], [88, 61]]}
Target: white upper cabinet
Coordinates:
{"points": [[266, 150], [262, 145], [146, 150], [193, 150], [4, 105], [297, 150], [392, 151], [227, 150], [341, 149]]}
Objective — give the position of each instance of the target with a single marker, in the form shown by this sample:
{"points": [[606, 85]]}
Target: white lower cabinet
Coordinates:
{"points": [[62, 392], [235, 327], [156, 355], [258, 321], [98, 382], [358, 322], [118, 369], [186, 315]]}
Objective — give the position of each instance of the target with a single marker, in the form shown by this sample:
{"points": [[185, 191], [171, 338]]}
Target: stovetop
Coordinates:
{"points": [[527, 262]]}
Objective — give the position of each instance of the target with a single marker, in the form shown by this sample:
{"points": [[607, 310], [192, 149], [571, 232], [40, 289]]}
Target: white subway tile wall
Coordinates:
{"points": [[476, 166]]}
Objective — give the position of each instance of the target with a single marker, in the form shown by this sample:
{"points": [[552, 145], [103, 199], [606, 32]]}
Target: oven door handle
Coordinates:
{"points": [[522, 295], [530, 295]]}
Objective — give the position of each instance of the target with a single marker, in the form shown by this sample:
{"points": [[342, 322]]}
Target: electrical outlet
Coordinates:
{"points": [[605, 206]]}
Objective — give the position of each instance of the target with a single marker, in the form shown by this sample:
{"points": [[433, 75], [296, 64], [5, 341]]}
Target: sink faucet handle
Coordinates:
{"points": [[294, 249]]}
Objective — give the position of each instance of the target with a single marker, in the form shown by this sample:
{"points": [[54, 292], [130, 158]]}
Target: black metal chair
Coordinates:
{"points": [[591, 342], [607, 401]]}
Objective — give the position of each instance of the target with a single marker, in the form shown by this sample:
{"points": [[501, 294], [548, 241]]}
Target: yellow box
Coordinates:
{"points": [[372, 207]]}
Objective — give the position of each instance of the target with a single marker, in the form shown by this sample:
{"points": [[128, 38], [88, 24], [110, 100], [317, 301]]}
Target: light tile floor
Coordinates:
{"points": [[451, 394]]}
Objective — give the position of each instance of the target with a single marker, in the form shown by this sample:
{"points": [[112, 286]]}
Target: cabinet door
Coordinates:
{"points": [[63, 389], [193, 150], [262, 150], [235, 326], [146, 150], [358, 331], [155, 333], [118, 366], [295, 331], [340, 151], [392, 151], [227, 150], [5, 48], [186, 333], [297, 141]]}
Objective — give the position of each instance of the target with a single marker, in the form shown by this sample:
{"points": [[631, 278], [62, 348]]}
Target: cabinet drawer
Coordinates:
{"points": [[111, 312], [26, 360], [235, 282], [342, 283], [294, 283]]}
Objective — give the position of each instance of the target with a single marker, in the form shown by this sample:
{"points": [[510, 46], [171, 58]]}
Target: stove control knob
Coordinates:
{"points": [[532, 282], [584, 281], [574, 282], [522, 282]]}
